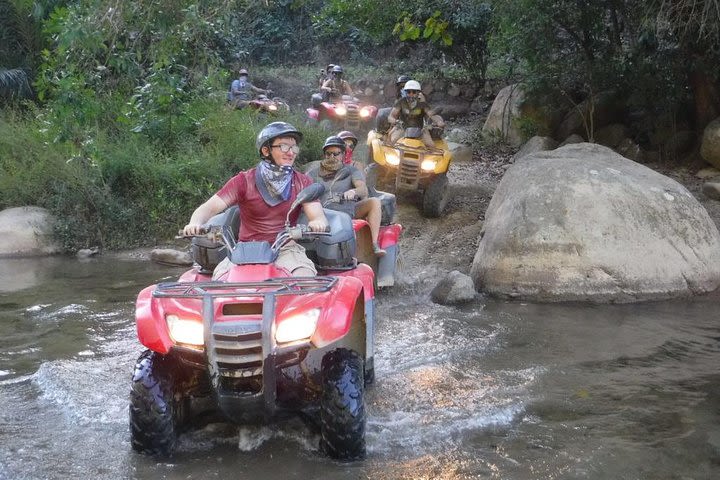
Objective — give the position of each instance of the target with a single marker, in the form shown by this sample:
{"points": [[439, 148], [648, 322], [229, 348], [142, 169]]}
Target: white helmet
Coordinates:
{"points": [[412, 85]]}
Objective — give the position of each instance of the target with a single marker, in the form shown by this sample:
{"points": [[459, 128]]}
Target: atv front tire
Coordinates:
{"points": [[153, 422], [342, 406], [435, 196]]}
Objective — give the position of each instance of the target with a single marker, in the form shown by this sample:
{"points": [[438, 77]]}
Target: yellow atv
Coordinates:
{"points": [[410, 165]]}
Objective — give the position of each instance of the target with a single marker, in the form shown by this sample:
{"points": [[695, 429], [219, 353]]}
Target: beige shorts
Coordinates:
{"points": [[292, 257]]}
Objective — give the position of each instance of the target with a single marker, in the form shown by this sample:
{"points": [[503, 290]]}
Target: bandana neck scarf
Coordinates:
{"points": [[274, 182], [329, 166]]}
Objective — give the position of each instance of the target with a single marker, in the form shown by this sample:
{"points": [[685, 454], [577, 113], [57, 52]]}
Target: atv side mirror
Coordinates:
{"points": [[307, 194]]}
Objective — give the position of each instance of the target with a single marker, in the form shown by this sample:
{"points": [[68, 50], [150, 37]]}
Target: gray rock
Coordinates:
{"points": [[709, 172], [711, 190], [460, 153], [535, 144], [456, 287], [87, 252], [629, 149], [710, 148], [27, 232], [583, 223], [505, 109], [169, 256], [574, 138]]}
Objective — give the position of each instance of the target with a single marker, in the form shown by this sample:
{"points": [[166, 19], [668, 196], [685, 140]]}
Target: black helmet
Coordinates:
{"points": [[402, 79], [334, 141], [348, 135], [337, 69], [274, 130], [243, 72]]}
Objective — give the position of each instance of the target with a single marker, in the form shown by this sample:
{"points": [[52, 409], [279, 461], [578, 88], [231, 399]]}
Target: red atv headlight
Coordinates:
{"points": [[340, 110], [364, 112], [185, 331], [297, 327]]}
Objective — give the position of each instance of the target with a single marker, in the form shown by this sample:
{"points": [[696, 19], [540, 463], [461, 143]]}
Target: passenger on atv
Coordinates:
{"points": [[242, 91], [346, 190], [412, 112], [351, 142], [333, 89], [264, 194]]}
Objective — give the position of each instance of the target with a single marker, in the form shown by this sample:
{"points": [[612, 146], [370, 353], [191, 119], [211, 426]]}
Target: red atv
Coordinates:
{"points": [[260, 344], [265, 104], [346, 114]]}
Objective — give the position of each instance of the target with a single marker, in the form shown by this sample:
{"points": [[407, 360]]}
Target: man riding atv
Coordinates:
{"points": [[333, 89], [242, 91], [412, 111], [345, 188], [264, 194]]}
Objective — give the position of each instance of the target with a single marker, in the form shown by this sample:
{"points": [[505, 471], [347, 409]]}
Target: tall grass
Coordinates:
{"points": [[118, 189]]}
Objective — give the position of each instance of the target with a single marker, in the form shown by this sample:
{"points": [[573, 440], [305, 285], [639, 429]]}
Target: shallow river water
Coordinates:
{"points": [[494, 389]]}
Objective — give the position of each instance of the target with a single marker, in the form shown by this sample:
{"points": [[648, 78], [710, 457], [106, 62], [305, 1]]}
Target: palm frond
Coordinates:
{"points": [[14, 83]]}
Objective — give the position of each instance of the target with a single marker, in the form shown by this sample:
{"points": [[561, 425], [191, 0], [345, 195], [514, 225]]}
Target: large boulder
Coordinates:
{"points": [[710, 147], [503, 114], [584, 223], [27, 232]]}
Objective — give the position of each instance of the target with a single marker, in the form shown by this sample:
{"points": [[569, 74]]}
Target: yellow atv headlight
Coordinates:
{"points": [[340, 110], [297, 327], [392, 157], [428, 165], [272, 108], [183, 330]]}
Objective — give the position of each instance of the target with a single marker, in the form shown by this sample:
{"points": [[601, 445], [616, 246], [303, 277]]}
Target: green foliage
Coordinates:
{"points": [[459, 32], [358, 26]]}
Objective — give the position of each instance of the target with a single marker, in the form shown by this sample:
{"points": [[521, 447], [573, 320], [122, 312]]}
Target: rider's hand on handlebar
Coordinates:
{"points": [[189, 230], [320, 225]]}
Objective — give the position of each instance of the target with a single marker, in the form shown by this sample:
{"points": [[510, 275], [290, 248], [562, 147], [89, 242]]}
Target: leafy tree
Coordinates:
{"points": [[695, 26], [458, 29]]}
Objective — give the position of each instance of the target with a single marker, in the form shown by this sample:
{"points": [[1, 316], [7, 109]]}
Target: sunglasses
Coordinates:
{"points": [[285, 148], [333, 154]]}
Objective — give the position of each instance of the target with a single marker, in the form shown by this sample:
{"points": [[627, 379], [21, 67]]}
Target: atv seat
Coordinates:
{"points": [[208, 253], [336, 251]]}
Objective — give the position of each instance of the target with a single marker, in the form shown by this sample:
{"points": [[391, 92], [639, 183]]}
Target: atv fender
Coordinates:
{"points": [[389, 235], [338, 311], [151, 332]]}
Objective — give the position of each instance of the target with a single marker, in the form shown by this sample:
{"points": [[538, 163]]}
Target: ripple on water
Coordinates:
{"points": [[432, 388]]}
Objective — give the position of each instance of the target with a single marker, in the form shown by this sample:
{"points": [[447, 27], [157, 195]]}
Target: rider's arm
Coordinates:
{"points": [[360, 190], [347, 89], [203, 213], [392, 118], [316, 217], [327, 86]]}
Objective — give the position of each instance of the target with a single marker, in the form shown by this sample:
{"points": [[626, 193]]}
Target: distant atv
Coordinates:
{"points": [[347, 114], [259, 344], [410, 165], [264, 104]]}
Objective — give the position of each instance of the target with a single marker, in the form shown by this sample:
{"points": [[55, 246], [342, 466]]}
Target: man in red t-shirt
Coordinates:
{"points": [[264, 194]]}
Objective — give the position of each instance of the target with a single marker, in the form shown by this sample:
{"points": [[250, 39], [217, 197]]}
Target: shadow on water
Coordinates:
{"points": [[488, 390]]}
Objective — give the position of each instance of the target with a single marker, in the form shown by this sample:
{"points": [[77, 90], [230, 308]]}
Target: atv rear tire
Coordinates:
{"points": [[435, 196], [342, 406], [153, 420]]}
